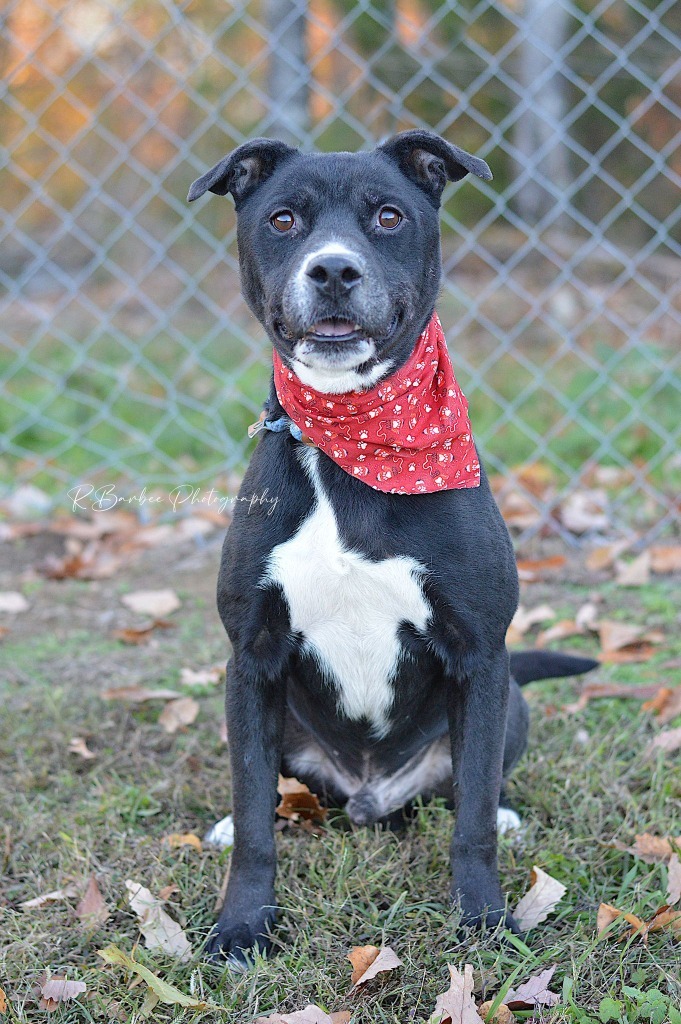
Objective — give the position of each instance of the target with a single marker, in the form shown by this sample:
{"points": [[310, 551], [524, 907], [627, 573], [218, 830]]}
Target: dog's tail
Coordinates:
{"points": [[526, 666]]}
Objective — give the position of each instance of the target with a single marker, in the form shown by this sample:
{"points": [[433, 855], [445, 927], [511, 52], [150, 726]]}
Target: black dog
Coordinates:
{"points": [[368, 627]]}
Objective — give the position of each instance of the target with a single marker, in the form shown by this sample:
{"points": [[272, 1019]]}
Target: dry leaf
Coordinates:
{"points": [[138, 694], [634, 574], [674, 879], [666, 559], [167, 891], [651, 849], [177, 839], [310, 1015], [583, 511], [3, 1001], [93, 561], [79, 747], [535, 992], [587, 616], [665, 918], [530, 570], [666, 704], [502, 1014], [456, 1005], [666, 741], [156, 603], [599, 691], [178, 713], [92, 910], [157, 926], [559, 631], [525, 618], [604, 557], [12, 602], [50, 897], [203, 676], [141, 634], [58, 990], [540, 900], [623, 643], [368, 961], [297, 802]]}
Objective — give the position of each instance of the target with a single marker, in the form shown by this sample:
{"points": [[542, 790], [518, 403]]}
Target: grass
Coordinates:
{"points": [[143, 410], [582, 783]]}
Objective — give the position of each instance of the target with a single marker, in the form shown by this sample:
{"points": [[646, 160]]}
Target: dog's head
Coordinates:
{"points": [[340, 252]]}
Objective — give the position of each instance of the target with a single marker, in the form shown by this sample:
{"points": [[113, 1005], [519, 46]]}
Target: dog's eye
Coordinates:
{"points": [[283, 220], [389, 217]]}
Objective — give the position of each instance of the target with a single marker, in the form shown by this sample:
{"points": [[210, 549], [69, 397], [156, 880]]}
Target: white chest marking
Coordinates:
{"points": [[348, 608]]}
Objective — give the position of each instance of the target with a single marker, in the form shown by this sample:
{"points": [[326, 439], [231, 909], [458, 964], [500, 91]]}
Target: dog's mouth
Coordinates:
{"points": [[335, 329]]}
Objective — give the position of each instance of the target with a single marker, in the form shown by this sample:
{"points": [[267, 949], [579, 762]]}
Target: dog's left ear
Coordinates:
{"points": [[239, 172], [430, 161]]}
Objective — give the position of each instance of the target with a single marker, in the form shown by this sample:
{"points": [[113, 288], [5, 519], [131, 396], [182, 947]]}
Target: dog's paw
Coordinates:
{"points": [[508, 821], [233, 941], [486, 911]]}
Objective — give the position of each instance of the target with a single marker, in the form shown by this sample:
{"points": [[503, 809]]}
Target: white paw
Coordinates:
{"points": [[221, 834], [507, 820]]}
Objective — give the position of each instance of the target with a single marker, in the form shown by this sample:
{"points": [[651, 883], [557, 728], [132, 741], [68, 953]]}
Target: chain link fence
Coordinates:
{"points": [[126, 351]]}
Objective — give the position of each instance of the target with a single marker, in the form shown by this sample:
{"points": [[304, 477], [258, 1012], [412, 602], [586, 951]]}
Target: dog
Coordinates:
{"points": [[367, 612]]}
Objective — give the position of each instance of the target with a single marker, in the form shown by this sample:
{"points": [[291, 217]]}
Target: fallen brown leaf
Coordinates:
{"points": [[635, 573], [615, 636], [525, 618], [664, 919], [666, 705], [531, 570], [559, 631], [502, 1014], [664, 559], [674, 879], [587, 616], [368, 961], [585, 510], [138, 694], [651, 849], [50, 897], [58, 990], [540, 900], [604, 556], [297, 802], [456, 1005], [160, 931], [155, 603], [535, 992], [79, 747], [667, 741], [167, 891], [3, 1001], [141, 634], [203, 676], [599, 691], [178, 839], [310, 1015], [178, 713], [92, 909]]}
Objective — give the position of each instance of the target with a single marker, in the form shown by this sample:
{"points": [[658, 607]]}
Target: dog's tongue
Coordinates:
{"points": [[333, 328]]}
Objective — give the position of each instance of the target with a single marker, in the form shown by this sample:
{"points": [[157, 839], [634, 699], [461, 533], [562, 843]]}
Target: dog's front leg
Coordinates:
{"points": [[477, 708], [255, 709]]}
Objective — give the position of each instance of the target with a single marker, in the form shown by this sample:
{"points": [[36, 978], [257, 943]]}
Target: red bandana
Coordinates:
{"points": [[410, 434]]}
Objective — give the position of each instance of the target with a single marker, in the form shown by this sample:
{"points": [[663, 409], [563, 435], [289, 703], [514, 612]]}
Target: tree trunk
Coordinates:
{"points": [[288, 76], [542, 161]]}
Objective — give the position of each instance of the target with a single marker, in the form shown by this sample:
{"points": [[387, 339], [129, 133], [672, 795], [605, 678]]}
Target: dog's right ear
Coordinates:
{"points": [[241, 171]]}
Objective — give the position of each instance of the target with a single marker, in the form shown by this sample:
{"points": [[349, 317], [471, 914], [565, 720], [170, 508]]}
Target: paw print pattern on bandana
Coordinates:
{"points": [[410, 434]]}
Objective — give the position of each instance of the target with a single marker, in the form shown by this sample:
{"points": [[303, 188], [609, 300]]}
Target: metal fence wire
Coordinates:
{"points": [[126, 350]]}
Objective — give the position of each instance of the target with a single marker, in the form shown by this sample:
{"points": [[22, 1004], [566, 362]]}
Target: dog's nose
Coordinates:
{"points": [[335, 274]]}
